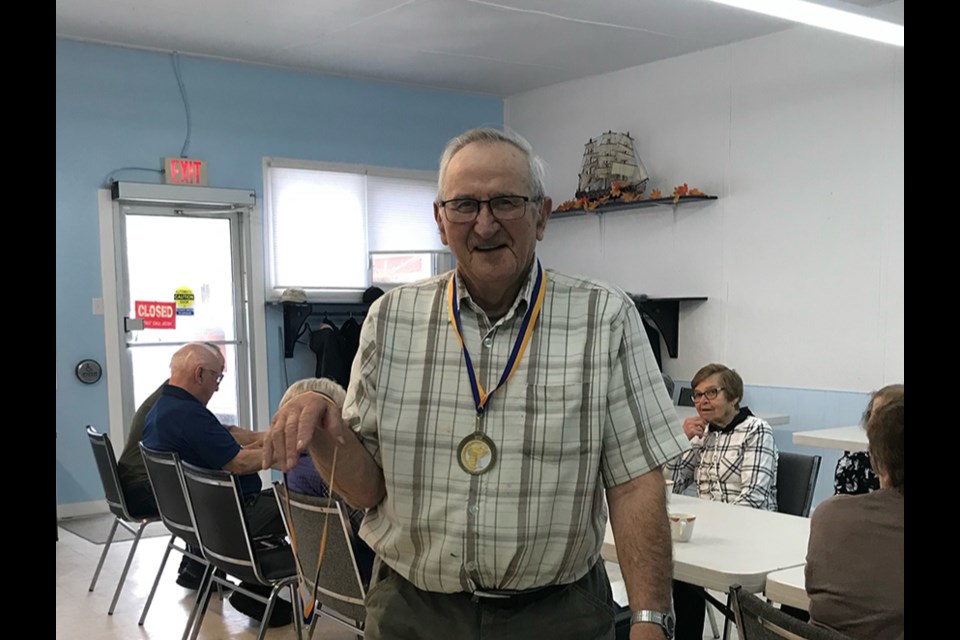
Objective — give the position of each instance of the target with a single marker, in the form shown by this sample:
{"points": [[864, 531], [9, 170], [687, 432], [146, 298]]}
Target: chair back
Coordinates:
{"points": [[216, 506], [110, 478], [796, 480], [685, 399], [169, 493], [758, 619], [340, 586]]}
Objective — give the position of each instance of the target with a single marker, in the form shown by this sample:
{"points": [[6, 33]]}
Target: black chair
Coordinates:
{"points": [[175, 513], [339, 589], [685, 399], [107, 467], [796, 480], [758, 619], [216, 506]]}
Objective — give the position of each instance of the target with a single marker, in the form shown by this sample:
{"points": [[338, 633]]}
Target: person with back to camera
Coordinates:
{"points": [[854, 474], [733, 459], [180, 422], [489, 413], [855, 557], [304, 478]]}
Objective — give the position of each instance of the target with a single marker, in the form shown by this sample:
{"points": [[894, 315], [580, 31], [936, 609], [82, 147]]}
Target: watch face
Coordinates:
{"points": [[669, 624]]}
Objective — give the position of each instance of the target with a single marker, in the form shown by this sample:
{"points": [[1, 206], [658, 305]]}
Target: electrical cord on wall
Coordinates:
{"points": [[186, 104], [175, 57], [109, 179]]}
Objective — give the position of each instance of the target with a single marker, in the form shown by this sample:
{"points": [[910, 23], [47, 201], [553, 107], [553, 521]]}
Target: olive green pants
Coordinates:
{"points": [[397, 610]]}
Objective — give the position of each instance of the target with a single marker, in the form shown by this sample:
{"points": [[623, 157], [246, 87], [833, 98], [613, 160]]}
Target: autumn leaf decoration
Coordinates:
{"points": [[679, 191], [619, 194]]}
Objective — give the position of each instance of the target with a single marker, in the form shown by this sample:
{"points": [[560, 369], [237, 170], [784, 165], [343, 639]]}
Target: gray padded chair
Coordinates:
{"points": [[216, 507], [685, 399], [758, 619], [175, 513], [107, 467], [339, 590], [796, 480]]}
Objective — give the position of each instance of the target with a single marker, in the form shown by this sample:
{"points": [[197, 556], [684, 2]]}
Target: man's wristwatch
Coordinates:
{"points": [[665, 620]]}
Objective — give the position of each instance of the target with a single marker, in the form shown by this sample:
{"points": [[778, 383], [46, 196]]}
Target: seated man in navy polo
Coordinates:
{"points": [[181, 422]]}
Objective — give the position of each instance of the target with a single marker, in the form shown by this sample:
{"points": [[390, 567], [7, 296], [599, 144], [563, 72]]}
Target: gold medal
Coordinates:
{"points": [[476, 454]]}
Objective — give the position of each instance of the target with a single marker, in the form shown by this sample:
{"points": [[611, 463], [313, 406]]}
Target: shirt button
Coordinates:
{"points": [[488, 342], [473, 509], [471, 565]]}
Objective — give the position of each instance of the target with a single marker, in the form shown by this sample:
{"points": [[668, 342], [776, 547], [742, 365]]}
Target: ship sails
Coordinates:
{"points": [[607, 159]]}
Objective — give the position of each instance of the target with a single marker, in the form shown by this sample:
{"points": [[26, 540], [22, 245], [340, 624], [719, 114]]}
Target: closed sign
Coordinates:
{"points": [[157, 315]]}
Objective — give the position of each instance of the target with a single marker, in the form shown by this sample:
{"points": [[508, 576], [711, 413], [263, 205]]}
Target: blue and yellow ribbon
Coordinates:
{"points": [[481, 397]]}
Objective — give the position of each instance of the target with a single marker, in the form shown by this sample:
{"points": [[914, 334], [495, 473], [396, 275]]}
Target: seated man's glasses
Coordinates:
{"points": [[501, 207], [219, 375], [709, 394]]}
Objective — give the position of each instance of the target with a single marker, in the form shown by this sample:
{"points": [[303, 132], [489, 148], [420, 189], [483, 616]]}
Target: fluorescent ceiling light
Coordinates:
{"points": [[818, 15]]}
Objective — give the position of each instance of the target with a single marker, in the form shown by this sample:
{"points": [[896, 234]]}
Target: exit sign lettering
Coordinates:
{"points": [[185, 171]]}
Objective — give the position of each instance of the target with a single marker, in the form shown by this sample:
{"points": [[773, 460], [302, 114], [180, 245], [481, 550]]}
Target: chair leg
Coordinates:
{"points": [[103, 556], [156, 581], [297, 614], [126, 567], [272, 600], [713, 622], [203, 599], [205, 581]]}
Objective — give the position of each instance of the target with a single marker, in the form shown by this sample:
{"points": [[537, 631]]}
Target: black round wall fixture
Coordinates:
{"points": [[89, 371]]}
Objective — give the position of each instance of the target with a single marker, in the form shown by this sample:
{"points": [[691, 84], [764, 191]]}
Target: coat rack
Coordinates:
{"points": [[296, 313]]}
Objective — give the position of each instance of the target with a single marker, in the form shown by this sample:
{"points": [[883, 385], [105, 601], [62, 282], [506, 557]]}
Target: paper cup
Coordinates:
{"points": [[681, 526]]}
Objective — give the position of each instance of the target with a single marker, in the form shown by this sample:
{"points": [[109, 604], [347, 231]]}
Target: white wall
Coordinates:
{"points": [[800, 134]]}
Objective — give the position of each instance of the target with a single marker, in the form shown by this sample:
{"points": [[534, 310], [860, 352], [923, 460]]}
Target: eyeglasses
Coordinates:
{"points": [[502, 208], [219, 375], [710, 394]]}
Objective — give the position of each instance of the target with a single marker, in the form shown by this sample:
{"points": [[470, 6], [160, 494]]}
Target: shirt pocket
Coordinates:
{"points": [[556, 425]]}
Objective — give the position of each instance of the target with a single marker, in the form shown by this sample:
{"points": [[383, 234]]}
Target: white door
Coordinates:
{"points": [[180, 277]]}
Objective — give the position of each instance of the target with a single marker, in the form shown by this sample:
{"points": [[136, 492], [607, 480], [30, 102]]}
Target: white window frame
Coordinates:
{"points": [[441, 261]]}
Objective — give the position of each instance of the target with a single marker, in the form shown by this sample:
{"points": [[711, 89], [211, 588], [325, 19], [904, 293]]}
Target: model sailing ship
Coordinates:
{"points": [[611, 166]]}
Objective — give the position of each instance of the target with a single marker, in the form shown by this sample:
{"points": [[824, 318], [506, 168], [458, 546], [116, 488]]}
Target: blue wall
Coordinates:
{"points": [[120, 108]]}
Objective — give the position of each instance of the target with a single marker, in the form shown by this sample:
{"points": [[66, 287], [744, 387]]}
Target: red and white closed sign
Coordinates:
{"points": [[156, 315]]}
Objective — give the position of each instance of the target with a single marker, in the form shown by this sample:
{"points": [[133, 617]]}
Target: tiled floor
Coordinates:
{"points": [[83, 615]]}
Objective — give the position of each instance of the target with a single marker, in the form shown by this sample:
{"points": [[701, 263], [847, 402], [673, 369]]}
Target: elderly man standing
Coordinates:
{"points": [[490, 411], [180, 421]]}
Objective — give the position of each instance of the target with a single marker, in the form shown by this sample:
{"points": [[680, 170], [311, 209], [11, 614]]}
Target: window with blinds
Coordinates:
{"points": [[342, 228]]}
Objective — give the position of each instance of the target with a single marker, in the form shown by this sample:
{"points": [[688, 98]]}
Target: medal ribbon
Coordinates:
{"points": [[481, 397]]}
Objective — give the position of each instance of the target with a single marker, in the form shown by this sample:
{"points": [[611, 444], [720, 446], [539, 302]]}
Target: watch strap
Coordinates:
{"points": [[663, 620]]}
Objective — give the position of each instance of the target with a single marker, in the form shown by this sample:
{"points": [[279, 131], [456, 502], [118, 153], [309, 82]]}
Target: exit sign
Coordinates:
{"points": [[185, 171]]}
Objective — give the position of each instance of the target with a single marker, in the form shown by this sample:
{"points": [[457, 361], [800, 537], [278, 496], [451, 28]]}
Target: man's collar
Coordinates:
{"points": [[178, 392], [522, 296]]}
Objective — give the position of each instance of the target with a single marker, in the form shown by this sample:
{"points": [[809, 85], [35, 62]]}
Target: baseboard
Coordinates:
{"points": [[78, 509]]}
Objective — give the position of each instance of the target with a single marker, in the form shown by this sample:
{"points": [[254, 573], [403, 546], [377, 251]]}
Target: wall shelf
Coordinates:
{"points": [[664, 315], [636, 204]]}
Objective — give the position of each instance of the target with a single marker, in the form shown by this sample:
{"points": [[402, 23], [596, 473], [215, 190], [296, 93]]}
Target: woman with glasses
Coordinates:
{"points": [[733, 458]]}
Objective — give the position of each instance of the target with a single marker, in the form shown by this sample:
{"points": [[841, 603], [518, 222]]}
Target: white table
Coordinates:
{"points": [[851, 438], [788, 586], [773, 419], [731, 544]]}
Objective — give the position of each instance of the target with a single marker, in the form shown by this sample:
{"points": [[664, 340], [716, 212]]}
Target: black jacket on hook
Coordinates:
{"points": [[332, 362]]}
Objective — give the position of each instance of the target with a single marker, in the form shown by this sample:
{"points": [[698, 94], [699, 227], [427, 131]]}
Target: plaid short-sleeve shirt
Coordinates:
{"points": [[585, 409]]}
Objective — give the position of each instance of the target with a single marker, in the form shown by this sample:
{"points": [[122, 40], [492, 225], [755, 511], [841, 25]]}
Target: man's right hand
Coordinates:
{"points": [[309, 418], [694, 427]]}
